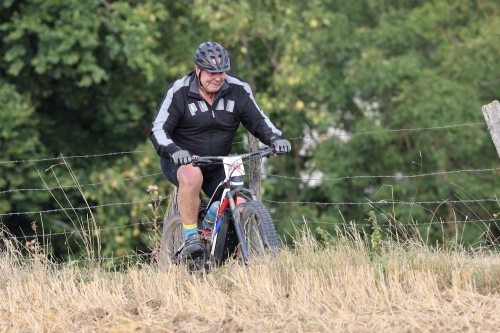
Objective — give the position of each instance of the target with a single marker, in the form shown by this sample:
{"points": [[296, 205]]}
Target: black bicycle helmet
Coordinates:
{"points": [[208, 51]]}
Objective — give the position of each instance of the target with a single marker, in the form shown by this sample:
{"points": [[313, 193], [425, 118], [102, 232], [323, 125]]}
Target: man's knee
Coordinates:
{"points": [[189, 176]]}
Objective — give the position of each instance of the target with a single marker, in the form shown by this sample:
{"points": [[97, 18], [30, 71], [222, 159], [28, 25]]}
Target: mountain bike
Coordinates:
{"points": [[243, 230]]}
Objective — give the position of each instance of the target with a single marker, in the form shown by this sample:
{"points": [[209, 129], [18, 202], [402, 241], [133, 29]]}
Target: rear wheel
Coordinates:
{"points": [[171, 246], [258, 229], [171, 241]]}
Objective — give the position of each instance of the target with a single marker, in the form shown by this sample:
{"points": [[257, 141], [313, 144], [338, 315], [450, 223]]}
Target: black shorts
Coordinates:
{"points": [[213, 175]]}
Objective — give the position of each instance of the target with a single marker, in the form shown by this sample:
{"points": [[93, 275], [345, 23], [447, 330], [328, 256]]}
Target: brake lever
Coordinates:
{"points": [[267, 152], [194, 161]]}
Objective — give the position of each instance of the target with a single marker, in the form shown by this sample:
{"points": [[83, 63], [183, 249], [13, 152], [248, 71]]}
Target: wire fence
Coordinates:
{"points": [[385, 202], [149, 226], [79, 232], [114, 261], [134, 257], [305, 179], [307, 203], [398, 176], [80, 185], [314, 137], [77, 156], [49, 211]]}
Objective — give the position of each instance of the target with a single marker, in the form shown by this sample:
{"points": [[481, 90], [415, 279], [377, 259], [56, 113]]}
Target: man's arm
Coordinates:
{"points": [[258, 124], [253, 118], [166, 120]]}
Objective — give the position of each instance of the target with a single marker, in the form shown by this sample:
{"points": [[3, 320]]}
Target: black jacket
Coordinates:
{"points": [[186, 121]]}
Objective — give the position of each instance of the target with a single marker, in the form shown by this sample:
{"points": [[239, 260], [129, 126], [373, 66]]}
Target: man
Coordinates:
{"points": [[199, 115]]}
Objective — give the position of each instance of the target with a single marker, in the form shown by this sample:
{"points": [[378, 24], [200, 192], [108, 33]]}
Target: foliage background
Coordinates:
{"points": [[85, 77]]}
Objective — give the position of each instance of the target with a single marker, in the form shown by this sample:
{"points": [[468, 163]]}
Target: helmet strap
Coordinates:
{"points": [[201, 85]]}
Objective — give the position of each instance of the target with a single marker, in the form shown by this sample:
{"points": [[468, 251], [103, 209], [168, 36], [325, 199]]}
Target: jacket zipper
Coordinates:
{"points": [[211, 129]]}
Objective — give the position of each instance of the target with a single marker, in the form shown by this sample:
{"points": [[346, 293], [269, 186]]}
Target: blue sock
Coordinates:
{"points": [[190, 229]]}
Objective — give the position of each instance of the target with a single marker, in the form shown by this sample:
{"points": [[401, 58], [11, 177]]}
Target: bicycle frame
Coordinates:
{"points": [[232, 186]]}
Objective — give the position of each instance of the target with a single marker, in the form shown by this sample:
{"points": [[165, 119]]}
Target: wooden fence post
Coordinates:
{"points": [[255, 161], [491, 113], [173, 207]]}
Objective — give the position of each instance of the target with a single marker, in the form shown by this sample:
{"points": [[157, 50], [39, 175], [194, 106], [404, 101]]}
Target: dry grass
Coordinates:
{"points": [[312, 288]]}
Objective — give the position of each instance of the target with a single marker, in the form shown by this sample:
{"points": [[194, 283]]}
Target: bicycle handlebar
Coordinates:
{"points": [[264, 152]]}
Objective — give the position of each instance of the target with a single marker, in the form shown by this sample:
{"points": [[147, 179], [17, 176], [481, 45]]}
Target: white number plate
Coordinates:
{"points": [[233, 166]]}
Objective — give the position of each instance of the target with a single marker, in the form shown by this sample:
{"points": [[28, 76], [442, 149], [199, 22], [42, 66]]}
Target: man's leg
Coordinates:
{"points": [[188, 198], [188, 194]]}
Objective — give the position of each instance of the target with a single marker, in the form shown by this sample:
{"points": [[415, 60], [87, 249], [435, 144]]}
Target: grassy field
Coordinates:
{"points": [[337, 286]]}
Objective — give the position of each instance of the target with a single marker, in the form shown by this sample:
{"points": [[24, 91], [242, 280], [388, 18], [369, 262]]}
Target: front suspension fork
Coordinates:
{"points": [[236, 221]]}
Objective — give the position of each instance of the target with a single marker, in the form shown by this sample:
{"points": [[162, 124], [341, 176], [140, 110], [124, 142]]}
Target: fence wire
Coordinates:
{"points": [[77, 156], [48, 211], [308, 203], [394, 224], [302, 179], [321, 136], [104, 259], [398, 177], [410, 203], [325, 136], [80, 185], [77, 232]]}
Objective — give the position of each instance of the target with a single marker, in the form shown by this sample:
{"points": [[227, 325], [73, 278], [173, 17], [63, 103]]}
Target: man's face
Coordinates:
{"points": [[212, 82]]}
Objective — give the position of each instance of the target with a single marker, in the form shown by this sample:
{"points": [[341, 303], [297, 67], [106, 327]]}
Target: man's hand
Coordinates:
{"points": [[181, 157], [281, 146]]}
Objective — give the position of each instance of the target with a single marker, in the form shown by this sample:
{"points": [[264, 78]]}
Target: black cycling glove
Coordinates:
{"points": [[181, 157]]}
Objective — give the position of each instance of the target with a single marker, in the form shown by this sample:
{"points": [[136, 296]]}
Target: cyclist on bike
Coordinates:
{"points": [[199, 115]]}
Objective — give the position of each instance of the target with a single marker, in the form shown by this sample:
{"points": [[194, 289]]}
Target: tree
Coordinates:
{"points": [[19, 140], [86, 77], [94, 73], [413, 69], [293, 54]]}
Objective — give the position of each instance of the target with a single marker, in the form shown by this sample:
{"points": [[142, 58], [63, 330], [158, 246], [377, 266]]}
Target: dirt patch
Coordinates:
{"points": [[90, 317], [227, 325], [154, 304], [189, 321], [97, 313], [131, 309], [188, 317]]}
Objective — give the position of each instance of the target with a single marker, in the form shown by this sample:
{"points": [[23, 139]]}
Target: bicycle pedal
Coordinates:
{"points": [[194, 265]]}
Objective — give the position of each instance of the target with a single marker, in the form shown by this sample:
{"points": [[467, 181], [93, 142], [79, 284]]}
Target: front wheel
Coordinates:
{"points": [[258, 229]]}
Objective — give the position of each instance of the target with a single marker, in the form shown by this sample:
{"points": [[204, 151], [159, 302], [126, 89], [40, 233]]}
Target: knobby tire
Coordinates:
{"points": [[258, 229], [172, 238]]}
